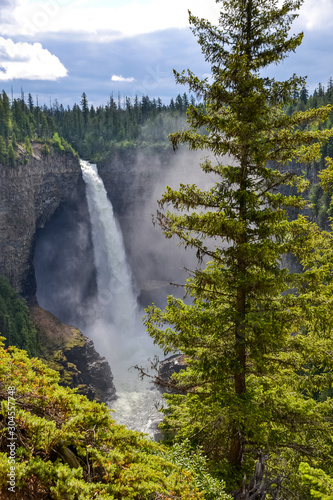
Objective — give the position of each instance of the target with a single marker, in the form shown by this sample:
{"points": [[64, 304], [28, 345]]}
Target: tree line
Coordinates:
{"points": [[95, 131], [91, 131]]}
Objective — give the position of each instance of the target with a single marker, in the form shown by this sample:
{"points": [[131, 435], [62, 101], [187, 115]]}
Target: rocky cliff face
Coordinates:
{"points": [[73, 355], [135, 179], [29, 196]]}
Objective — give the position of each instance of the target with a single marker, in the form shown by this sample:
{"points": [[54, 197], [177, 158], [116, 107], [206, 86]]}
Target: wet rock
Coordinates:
{"points": [[95, 370], [29, 195], [167, 367], [66, 350]]}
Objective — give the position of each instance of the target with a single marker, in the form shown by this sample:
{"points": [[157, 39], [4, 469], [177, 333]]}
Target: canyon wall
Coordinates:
{"points": [[29, 195], [40, 189], [135, 179]]}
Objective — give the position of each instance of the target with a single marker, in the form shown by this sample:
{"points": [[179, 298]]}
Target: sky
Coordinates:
{"points": [[58, 49]]}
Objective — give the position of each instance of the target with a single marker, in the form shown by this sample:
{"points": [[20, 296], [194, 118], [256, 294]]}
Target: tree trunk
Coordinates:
{"points": [[236, 447]]}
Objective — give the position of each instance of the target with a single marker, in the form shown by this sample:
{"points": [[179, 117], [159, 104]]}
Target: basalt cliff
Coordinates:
{"points": [[30, 195]]}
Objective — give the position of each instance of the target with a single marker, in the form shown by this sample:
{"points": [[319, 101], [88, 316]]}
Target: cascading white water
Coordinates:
{"points": [[116, 299], [117, 330]]}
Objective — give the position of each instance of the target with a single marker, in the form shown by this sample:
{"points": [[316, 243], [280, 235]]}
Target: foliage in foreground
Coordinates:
{"points": [[70, 448], [321, 484], [194, 460]]}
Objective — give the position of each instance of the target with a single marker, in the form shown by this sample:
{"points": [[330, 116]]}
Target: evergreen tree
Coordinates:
{"points": [[30, 102], [85, 108], [27, 145], [3, 151], [15, 323], [329, 91], [70, 448], [304, 95], [321, 484], [244, 392], [179, 103], [5, 121], [11, 156]]}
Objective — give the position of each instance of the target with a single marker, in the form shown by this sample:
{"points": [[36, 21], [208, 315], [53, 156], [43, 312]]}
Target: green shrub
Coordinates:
{"points": [[56, 141], [15, 322], [321, 485], [193, 460], [45, 150], [27, 145], [11, 156], [68, 447]]}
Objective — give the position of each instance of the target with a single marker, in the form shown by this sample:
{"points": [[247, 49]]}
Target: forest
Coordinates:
{"points": [[92, 132], [251, 416]]}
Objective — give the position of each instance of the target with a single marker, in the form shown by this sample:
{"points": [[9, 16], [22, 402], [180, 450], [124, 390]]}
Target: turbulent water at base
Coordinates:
{"points": [[117, 329]]}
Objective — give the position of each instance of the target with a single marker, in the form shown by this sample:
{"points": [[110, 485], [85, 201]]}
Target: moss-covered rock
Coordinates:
{"points": [[66, 350]]}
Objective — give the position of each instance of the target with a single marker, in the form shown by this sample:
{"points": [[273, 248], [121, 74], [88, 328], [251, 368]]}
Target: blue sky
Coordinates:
{"points": [[57, 49]]}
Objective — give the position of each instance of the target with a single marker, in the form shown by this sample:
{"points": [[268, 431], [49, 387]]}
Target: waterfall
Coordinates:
{"points": [[117, 330], [116, 299]]}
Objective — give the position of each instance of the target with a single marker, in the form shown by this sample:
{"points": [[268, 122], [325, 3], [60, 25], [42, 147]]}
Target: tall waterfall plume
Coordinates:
{"points": [[116, 299], [117, 330]]}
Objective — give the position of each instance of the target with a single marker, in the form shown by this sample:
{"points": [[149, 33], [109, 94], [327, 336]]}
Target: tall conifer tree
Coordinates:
{"points": [[247, 338]]}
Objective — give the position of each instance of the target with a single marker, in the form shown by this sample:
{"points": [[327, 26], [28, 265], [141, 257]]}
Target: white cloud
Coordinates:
{"points": [[104, 21], [119, 78], [28, 61], [315, 15]]}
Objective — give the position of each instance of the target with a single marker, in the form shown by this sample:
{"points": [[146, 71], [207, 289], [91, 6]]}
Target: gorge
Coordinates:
{"points": [[47, 247], [115, 324], [30, 196], [47, 253]]}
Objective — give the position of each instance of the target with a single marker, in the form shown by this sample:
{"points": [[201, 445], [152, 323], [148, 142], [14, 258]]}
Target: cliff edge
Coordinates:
{"points": [[66, 350], [30, 193]]}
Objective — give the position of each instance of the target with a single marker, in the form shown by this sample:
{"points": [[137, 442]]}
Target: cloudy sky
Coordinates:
{"points": [[57, 49]]}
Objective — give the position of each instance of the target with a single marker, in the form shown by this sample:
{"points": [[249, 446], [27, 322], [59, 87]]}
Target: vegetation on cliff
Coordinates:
{"points": [[15, 323], [67, 447], [257, 391], [61, 347], [20, 124], [257, 338], [96, 132], [93, 132], [320, 198]]}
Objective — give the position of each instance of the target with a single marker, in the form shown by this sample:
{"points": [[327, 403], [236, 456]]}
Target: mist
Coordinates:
{"points": [[65, 268], [156, 261], [69, 277], [64, 263]]}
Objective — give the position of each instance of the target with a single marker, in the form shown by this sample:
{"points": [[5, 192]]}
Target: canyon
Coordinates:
{"points": [[30, 195], [45, 240]]}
